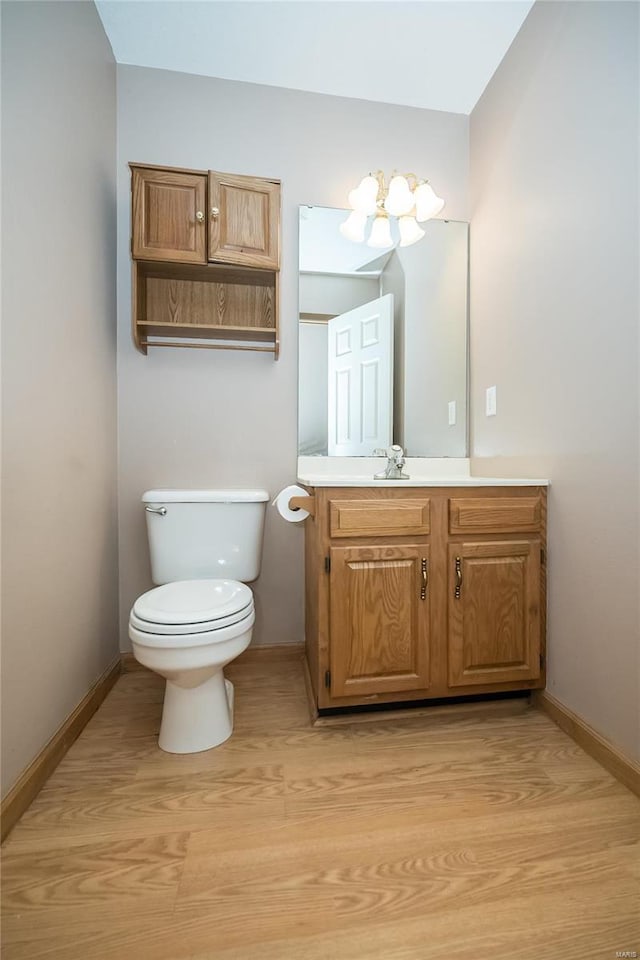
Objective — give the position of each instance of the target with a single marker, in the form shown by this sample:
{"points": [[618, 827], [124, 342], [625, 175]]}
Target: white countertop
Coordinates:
{"points": [[422, 471], [311, 481]]}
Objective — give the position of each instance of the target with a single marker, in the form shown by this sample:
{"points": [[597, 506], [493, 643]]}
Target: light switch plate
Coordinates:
{"points": [[491, 402], [452, 413]]}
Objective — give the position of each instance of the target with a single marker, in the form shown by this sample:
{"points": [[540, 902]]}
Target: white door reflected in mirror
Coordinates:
{"points": [[360, 381]]}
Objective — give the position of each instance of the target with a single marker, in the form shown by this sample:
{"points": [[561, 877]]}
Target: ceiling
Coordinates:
{"points": [[435, 54]]}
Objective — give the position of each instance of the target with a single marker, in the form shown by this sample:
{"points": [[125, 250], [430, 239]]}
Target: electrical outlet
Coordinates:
{"points": [[452, 413], [491, 402]]}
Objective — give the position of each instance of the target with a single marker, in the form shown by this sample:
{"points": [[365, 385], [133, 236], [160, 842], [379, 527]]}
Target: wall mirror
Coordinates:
{"points": [[383, 341]]}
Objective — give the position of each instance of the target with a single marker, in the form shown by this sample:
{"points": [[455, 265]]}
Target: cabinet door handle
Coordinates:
{"points": [[425, 578], [215, 213], [200, 216], [458, 578]]}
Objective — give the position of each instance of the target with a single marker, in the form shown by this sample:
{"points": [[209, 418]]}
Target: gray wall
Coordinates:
{"points": [[554, 308], [59, 556], [313, 366], [434, 356], [393, 281], [208, 417], [330, 294]]}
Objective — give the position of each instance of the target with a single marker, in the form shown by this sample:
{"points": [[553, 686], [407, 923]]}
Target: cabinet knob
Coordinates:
{"points": [[200, 216], [215, 213]]}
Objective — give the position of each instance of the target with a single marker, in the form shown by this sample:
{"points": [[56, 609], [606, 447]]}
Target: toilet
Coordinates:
{"points": [[203, 545]]}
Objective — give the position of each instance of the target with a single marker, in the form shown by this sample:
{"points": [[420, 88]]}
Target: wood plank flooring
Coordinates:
{"points": [[421, 838]]}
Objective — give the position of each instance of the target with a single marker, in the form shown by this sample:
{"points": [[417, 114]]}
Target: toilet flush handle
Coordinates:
{"points": [[161, 510]]}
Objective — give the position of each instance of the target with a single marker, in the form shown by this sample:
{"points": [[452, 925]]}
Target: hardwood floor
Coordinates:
{"points": [[409, 839]]}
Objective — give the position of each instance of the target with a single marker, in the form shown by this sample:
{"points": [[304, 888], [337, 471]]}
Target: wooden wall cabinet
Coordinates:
{"points": [[244, 221], [417, 593], [206, 252], [168, 215]]}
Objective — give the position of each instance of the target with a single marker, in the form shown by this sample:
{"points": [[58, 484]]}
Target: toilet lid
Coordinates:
{"points": [[195, 603], [182, 629]]}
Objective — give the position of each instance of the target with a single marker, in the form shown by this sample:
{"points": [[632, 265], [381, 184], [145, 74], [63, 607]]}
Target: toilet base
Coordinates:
{"points": [[196, 718]]}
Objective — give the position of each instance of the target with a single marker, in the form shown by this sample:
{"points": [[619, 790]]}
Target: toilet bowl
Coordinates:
{"points": [[204, 546], [187, 631]]}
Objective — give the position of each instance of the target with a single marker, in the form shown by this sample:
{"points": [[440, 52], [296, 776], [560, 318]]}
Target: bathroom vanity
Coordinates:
{"points": [[422, 588], [432, 589]]}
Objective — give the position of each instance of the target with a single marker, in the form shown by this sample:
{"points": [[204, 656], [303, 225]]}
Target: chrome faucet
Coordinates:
{"points": [[395, 463]]}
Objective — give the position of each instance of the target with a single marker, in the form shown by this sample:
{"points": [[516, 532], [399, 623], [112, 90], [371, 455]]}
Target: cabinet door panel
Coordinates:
{"points": [[169, 216], [243, 220], [494, 612], [379, 610]]}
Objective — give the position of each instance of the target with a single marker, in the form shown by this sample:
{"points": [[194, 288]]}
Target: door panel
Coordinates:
{"points": [[494, 612], [379, 610], [169, 216], [243, 220]]}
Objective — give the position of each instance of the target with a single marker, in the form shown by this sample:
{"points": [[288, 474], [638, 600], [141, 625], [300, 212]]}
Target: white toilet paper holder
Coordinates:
{"points": [[307, 503]]}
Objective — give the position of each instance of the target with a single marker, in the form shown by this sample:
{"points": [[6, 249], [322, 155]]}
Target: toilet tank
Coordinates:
{"points": [[202, 534]]}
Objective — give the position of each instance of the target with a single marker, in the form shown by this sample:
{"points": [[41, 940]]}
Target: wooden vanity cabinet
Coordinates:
{"points": [[496, 588], [418, 593], [206, 252]]}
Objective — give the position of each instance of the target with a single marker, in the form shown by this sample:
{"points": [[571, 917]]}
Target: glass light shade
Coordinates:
{"points": [[362, 203], [353, 226], [364, 197], [410, 232], [399, 198], [428, 204], [368, 186], [380, 234]]}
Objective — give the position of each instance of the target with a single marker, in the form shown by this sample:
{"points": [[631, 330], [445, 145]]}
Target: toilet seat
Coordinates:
{"points": [[174, 643], [182, 629], [191, 607]]}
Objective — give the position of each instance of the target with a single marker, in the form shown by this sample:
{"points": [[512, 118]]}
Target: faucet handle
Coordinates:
{"points": [[379, 452], [396, 453]]}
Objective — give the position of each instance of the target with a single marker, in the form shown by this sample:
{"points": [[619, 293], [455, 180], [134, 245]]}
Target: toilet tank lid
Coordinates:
{"points": [[205, 496]]}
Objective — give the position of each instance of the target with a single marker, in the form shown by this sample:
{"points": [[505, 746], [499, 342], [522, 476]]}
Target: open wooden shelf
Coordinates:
{"points": [[178, 301]]}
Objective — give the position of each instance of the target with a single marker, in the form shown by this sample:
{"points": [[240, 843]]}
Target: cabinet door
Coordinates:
{"points": [[494, 612], [244, 220], [169, 216], [379, 619]]}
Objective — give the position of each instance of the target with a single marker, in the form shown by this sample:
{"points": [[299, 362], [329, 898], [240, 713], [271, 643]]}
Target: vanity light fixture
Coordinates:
{"points": [[406, 198]]}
